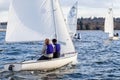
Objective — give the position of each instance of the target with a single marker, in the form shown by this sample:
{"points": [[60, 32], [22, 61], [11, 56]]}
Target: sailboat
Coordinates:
{"points": [[109, 25], [35, 20], [72, 22]]}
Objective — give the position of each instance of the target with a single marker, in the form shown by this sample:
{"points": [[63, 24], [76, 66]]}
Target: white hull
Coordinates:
{"points": [[43, 65], [114, 38]]}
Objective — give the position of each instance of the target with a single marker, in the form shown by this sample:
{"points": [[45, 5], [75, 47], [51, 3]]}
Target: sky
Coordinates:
{"points": [[86, 8]]}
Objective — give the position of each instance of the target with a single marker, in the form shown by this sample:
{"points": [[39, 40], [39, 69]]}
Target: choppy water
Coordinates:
{"points": [[98, 59]]}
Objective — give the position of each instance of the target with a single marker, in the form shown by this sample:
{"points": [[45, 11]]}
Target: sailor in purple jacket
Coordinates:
{"points": [[57, 49], [47, 51]]}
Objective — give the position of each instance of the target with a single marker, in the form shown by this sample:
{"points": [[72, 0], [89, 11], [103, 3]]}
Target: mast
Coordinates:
{"points": [[54, 22]]}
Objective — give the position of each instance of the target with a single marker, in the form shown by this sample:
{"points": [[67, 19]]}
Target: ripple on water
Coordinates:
{"points": [[98, 59]]}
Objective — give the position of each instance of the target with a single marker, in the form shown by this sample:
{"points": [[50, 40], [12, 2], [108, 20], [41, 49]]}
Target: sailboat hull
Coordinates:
{"points": [[42, 65], [114, 38]]}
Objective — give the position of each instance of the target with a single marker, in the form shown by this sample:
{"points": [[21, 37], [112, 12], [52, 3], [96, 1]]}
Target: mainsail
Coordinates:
{"points": [[72, 19], [109, 24], [29, 20], [35, 20]]}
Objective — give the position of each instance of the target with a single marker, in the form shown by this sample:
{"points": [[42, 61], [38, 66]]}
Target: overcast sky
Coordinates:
{"points": [[87, 8]]}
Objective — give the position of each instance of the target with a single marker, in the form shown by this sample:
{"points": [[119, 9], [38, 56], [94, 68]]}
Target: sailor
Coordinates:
{"points": [[47, 51], [78, 36], [116, 35], [57, 49]]}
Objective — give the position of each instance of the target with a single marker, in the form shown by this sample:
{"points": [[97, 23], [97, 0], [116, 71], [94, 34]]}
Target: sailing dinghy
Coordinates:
{"points": [[109, 25], [72, 22], [36, 20]]}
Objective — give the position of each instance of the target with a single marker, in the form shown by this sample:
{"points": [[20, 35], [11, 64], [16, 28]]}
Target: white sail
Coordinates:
{"points": [[72, 20], [61, 30], [109, 24], [106, 23], [36, 20], [29, 20]]}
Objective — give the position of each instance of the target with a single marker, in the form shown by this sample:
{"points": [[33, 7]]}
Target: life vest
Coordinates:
{"points": [[57, 48], [49, 49]]}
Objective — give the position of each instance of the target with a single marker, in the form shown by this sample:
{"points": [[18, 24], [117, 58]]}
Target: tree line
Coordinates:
{"points": [[96, 23]]}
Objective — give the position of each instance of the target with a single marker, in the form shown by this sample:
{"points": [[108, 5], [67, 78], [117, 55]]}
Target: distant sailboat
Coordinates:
{"points": [[109, 25], [35, 20], [72, 22]]}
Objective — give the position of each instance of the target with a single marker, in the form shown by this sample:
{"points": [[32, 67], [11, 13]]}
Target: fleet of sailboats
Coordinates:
{"points": [[37, 20], [34, 21]]}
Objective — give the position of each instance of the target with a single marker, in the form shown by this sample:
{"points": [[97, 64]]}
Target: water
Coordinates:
{"points": [[98, 59]]}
